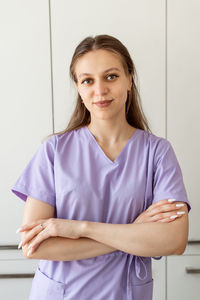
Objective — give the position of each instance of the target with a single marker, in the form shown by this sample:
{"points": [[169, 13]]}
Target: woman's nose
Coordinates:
{"points": [[100, 88]]}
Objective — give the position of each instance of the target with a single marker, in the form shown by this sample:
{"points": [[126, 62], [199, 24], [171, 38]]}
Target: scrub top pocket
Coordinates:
{"points": [[141, 291], [45, 288]]}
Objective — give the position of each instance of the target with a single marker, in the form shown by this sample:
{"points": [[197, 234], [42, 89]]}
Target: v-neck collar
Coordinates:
{"points": [[116, 161]]}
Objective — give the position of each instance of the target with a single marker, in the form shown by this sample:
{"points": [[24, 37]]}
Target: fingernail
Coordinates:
{"points": [[30, 246], [179, 205], [29, 252], [180, 212], [20, 244], [171, 200], [18, 230], [173, 217]]}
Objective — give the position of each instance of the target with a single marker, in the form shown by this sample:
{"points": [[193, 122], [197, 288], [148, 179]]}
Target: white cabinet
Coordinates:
{"points": [[19, 291], [183, 277], [183, 130], [25, 119], [16, 274], [16, 278], [170, 103], [159, 277], [183, 95]]}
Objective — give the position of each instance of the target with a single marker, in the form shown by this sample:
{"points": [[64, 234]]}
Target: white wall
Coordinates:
{"points": [[37, 98]]}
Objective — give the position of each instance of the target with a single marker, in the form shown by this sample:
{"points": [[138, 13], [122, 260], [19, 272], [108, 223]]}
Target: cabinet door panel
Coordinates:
{"points": [[143, 33], [139, 24], [16, 278], [184, 282], [26, 117], [158, 274], [183, 92]]}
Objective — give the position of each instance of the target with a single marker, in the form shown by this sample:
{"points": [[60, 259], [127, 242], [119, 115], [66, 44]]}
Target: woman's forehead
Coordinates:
{"points": [[98, 61]]}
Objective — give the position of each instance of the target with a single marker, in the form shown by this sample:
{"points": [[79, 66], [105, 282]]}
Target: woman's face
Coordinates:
{"points": [[101, 84]]}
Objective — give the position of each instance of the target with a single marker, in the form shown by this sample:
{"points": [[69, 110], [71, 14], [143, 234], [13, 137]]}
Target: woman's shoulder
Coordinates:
{"points": [[153, 140], [68, 138]]}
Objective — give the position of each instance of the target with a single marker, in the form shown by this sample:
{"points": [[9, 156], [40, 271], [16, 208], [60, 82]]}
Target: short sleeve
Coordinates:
{"points": [[37, 179], [167, 179]]}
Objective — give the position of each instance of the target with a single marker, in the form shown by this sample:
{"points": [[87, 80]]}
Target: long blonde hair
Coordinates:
{"points": [[134, 113]]}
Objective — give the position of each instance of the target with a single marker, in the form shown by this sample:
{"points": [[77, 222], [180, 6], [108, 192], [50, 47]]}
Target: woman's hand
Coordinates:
{"points": [[161, 211], [41, 230]]}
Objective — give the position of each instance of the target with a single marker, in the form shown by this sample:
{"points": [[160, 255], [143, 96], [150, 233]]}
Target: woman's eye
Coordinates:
{"points": [[85, 80], [88, 79], [113, 75]]}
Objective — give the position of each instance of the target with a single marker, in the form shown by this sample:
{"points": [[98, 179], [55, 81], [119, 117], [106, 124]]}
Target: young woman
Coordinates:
{"points": [[97, 194]]}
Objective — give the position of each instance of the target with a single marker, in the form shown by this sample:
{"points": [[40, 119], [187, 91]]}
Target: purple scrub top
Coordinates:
{"points": [[71, 172]]}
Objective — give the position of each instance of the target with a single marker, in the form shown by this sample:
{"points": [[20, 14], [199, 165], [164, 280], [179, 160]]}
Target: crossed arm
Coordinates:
{"points": [[145, 239]]}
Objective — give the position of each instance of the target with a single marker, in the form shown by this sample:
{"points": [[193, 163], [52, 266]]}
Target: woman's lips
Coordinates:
{"points": [[103, 103]]}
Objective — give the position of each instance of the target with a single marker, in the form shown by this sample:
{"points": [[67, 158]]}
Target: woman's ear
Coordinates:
{"points": [[76, 85], [130, 82]]}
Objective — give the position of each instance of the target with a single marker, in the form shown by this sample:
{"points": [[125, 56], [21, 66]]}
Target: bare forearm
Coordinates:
{"points": [[147, 239], [65, 249]]}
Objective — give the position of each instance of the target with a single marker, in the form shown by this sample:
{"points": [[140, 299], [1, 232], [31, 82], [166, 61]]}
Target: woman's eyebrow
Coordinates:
{"points": [[88, 74]]}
